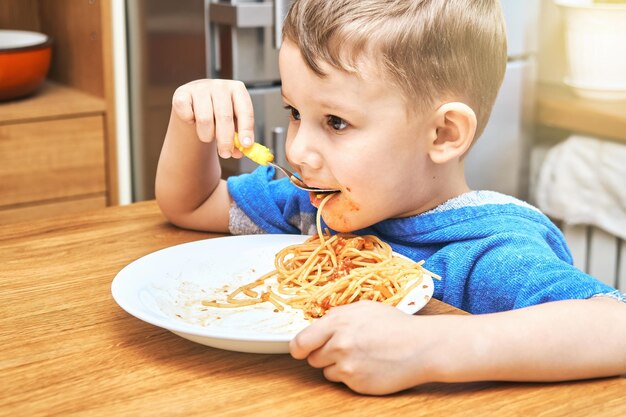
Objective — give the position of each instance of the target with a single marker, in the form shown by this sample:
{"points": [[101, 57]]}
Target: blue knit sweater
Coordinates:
{"points": [[493, 252]]}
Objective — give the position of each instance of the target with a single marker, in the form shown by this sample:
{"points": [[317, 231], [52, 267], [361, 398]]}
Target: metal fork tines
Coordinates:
{"points": [[299, 183]]}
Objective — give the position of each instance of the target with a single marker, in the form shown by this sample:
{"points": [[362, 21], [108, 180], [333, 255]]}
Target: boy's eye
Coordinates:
{"points": [[293, 112], [337, 123]]}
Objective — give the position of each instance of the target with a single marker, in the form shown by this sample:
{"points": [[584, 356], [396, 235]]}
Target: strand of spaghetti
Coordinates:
{"points": [[303, 285], [268, 296], [318, 217], [240, 303], [311, 262], [310, 258], [233, 302], [338, 286]]}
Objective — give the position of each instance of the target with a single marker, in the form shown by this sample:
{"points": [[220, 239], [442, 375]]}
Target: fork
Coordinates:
{"points": [[263, 156], [299, 183]]}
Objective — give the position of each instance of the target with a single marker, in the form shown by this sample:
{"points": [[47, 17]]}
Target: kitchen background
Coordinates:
{"points": [[171, 43], [92, 134]]}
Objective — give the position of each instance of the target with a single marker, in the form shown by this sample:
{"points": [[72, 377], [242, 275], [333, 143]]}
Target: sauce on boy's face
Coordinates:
{"points": [[354, 132]]}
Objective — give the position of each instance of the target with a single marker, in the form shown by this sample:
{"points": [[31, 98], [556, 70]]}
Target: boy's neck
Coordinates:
{"points": [[440, 198]]}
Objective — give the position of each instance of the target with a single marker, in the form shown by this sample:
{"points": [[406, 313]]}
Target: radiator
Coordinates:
{"points": [[598, 253]]}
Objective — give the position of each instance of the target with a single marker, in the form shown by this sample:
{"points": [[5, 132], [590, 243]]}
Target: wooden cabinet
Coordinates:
{"points": [[57, 147], [559, 108]]}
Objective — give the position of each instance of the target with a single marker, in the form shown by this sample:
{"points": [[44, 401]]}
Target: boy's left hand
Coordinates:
{"points": [[371, 347]]}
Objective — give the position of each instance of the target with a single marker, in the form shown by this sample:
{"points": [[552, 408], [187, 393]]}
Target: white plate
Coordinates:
{"points": [[165, 288]]}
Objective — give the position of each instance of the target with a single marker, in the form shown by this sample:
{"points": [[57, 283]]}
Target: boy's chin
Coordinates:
{"points": [[340, 219], [341, 228]]}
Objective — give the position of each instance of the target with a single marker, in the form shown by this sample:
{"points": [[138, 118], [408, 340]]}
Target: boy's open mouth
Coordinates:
{"points": [[316, 198]]}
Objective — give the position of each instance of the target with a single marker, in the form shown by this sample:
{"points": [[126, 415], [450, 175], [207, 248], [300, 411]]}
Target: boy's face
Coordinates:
{"points": [[355, 133]]}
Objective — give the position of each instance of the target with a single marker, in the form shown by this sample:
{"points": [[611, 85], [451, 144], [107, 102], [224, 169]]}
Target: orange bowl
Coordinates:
{"points": [[24, 62]]}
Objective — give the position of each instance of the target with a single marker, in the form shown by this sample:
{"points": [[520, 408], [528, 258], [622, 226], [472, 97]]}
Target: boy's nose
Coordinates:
{"points": [[303, 149]]}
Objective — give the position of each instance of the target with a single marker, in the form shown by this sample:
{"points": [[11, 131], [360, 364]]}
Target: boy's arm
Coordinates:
{"points": [[377, 349], [563, 340], [188, 187], [205, 115]]}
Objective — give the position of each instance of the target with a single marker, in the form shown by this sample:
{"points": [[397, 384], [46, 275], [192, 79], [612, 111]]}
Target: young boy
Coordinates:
{"points": [[385, 99]]}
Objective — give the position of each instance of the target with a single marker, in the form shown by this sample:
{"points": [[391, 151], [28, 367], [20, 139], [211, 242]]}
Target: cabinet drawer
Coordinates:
{"points": [[51, 159]]}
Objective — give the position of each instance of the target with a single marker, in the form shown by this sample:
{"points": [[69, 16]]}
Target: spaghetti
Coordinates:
{"points": [[327, 271]]}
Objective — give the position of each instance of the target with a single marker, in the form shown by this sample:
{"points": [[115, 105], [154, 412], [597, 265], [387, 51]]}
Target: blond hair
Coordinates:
{"points": [[431, 50]]}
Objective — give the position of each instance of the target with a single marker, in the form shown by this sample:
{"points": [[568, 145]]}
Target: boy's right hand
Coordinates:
{"points": [[218, 108]]}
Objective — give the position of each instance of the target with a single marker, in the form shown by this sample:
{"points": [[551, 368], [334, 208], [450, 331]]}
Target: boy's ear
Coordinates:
{"points": [[455, 126]]}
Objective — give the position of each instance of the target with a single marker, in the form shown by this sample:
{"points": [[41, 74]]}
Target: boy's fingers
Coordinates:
{"points": [[332, 373], [321, 358], [182, 105], [245, 115], [310, 339], [224, 123], [203, 114]]}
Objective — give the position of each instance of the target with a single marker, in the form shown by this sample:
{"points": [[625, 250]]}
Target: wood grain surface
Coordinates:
{"points": [[51, 159], [67, 349], [52, 102]]}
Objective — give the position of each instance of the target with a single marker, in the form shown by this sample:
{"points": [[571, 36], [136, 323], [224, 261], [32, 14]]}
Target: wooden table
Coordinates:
{"points": [[67, 349]]}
